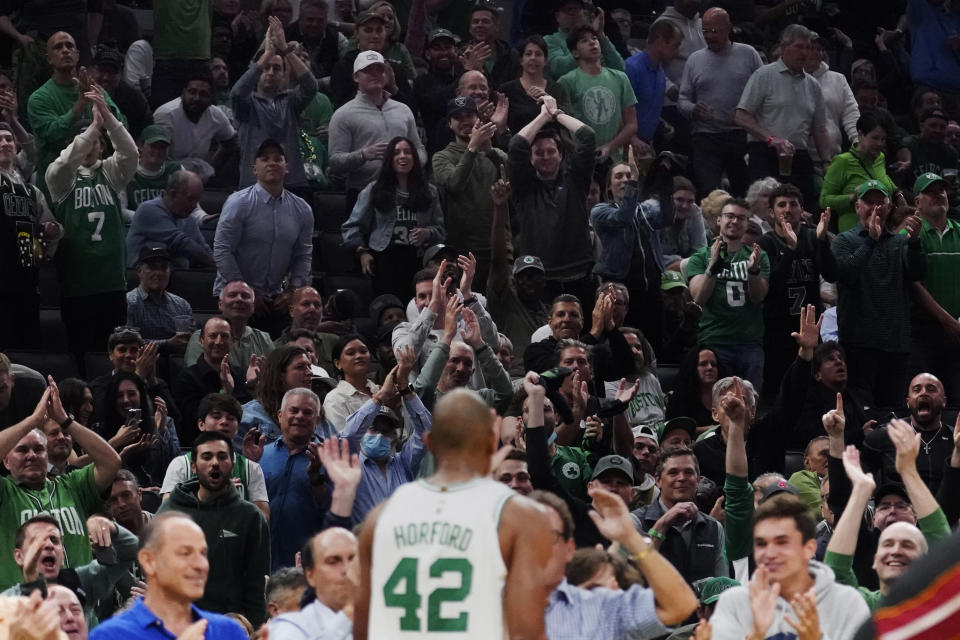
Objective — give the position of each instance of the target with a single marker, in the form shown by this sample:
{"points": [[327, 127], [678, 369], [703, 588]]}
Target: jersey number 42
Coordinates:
{"points": [[401, 591]]}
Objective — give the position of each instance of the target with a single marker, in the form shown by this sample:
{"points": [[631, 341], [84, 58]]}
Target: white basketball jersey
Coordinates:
{"points": [[437, 571]]}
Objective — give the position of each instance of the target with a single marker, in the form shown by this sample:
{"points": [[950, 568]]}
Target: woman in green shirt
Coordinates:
{"points": [[864, 161]]}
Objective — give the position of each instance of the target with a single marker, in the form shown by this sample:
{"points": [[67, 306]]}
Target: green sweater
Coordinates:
{"points": [[934, 528], [738, 521], [808, 484], [843, 176], [50, 110], [238, 541]]}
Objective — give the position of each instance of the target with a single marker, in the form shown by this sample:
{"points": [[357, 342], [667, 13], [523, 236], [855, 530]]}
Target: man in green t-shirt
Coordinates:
{"points": [[599, 96], [929, 150], [181, 46], [71, 498], [935, 329], [153, 170], [729, 280]]}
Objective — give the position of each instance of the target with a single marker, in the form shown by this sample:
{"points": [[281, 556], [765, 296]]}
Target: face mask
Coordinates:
{"points": [[551, 438], [375, 446]]}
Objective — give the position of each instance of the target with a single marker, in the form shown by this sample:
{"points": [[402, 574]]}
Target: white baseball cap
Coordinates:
{"points": [[367, 58]]}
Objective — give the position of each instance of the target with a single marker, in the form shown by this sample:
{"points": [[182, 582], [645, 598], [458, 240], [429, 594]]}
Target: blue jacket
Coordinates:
{"points": [[618, 228], [374, 229]]}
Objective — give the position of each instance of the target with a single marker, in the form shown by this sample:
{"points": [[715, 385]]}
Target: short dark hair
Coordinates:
{"points": [[123, 335], [300, 332], [204, 438], [219, 402], [549, 133], [342, 343], [664, 30], [675, 452], [424, 275], [864, 83], [484, 6], [565, 297], [573, 37], [785, 505], [203, 327], [556, 503], [785, 190], [824, 351], [125, 475], [867, 122], [200, 76], [536, 40], [286, 578], [517, 454], [739, 202], [21, 534]]}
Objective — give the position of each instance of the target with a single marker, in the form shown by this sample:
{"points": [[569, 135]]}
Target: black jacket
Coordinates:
{"points": [[192, 384], [696, 554]]}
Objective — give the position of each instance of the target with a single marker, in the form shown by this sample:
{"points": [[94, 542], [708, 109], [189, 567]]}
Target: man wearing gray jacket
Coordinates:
{"points": [[790, 594]]}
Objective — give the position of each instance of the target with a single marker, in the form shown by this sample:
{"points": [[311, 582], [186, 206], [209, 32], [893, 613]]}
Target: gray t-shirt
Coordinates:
{"points": [[787, 104]]}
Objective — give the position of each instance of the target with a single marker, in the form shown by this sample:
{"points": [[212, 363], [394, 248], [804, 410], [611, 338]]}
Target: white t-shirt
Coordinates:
{"points": [[193, 139], [179, 471]]}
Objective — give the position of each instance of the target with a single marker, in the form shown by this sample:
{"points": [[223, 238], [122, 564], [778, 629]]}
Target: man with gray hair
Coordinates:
{"points": [[284, 590], [296, 481], [167, 220], [237, 300], [782, 108]]}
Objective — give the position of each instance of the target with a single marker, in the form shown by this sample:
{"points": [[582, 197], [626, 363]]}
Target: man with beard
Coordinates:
{"points": [[213, 373], [237, 304], [435, 88], [330, 564], [196, 124], [107, 67], [40, 553], [237, 535], [926, 401], [907, 524], [935, 338], [465, 170]]}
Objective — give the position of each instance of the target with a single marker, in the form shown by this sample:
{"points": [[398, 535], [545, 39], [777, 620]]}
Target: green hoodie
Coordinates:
{"points": [[238, 542]]}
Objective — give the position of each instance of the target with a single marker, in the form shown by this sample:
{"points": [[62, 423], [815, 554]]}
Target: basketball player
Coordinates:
{"points": [[458, 554]]}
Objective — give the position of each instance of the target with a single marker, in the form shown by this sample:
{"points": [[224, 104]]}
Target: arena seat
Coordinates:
{"points": [[196, 287], [53, 333], [668, 376], [329, 210], [331, 257], [60, 365]]}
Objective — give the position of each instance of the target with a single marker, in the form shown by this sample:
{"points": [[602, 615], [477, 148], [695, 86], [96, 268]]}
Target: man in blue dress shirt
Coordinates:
{"points": [[173, 556]]}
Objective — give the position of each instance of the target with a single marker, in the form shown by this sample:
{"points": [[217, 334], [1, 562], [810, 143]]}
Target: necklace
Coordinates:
{"points": [[926, 443]]}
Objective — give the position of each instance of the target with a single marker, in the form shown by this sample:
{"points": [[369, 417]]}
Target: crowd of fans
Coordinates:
{"points": [[700, 258]]}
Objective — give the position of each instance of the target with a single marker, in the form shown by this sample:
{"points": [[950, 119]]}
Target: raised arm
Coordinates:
{"points": [[907, 442], [845, 534], [702, 284], [499, 277], [106, 461], [525, 542]]}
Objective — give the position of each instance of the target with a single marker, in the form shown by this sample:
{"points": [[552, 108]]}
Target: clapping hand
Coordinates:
{"points": [[471, 329], [500, 190], [253, 444], [754, 261], [907, 442], [468, 268], [610, 515], [626, 391], [786, 230], [763, 601], [824, 225], [342, 468], [405, 360], [807, 623], [226, 377], [851, 464]]}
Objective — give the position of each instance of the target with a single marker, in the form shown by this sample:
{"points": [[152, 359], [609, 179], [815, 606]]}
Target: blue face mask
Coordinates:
{"points": [[376, 446], [552, 438]]}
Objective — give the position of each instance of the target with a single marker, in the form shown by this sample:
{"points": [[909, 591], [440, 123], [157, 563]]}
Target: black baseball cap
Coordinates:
{"points": [[153, 251], [269, 144], [461, 103], [890, 488], [780, 486]]}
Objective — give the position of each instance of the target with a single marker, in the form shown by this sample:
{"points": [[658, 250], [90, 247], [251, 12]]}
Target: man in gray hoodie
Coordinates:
{"points": [[791, 595]]}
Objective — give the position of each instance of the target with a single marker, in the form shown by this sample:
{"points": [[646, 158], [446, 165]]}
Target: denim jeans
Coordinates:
{"points": [[744, 360]]}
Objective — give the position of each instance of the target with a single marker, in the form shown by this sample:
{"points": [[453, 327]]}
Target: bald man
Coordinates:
{"points": [[909, 517], [173, 557], [457, 527], [56, 107], [72, 621], [306, 312], [712, 81], [330, 565]]}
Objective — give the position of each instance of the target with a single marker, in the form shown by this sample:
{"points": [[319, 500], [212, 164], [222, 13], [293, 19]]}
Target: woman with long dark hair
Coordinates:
{"points": [[525, 92], [287, 367], [352, 360], [147, 441], [77, 399], [693, 395], [395, 218]]}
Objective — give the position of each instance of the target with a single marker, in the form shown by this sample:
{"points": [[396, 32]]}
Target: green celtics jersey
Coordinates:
{"points": [[91, 257], [729, 317], [145, 187], [70, 498]]}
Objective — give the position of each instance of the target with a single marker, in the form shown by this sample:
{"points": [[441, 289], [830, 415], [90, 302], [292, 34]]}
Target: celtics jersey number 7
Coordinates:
{"points": [[437, 570]]}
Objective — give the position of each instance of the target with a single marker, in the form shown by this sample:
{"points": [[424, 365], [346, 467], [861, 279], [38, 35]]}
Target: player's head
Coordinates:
{"points": [[462, 430]]}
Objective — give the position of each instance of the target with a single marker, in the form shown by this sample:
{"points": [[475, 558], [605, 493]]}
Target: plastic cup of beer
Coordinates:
{"points": [[785, 161]]}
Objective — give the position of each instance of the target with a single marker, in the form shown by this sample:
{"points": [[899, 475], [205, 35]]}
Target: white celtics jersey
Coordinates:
{"points": [[437, 571]]}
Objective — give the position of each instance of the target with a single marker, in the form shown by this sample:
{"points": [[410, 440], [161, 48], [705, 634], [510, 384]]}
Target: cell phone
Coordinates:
{"points": [[256, 434], [454, 273], [26, 588], [134, 415]]}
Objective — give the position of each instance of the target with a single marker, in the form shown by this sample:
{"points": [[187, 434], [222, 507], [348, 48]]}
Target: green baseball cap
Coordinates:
{"points": [[671, 280], [872, 185], [924, 180], [713, 587], [155, 133]]}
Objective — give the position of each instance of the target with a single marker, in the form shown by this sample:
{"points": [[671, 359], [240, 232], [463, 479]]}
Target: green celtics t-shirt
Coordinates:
{"points": [[71, 498], [572, 470], [91, 257], [599, 100], [729, 317], [143, 187], [182, 30]]}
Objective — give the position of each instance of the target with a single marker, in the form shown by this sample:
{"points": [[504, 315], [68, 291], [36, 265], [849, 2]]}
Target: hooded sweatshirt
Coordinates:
{"points": [[238, 542], [842, 610]]}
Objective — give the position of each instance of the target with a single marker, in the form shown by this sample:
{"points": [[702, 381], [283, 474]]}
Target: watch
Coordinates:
{"points": [[66, 423]]}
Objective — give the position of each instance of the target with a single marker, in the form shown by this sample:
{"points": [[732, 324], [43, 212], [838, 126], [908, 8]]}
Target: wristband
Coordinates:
{"points": [[754, 271], [770, 140], [656, 534], [718, 267], [470, 300]]}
